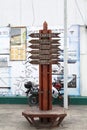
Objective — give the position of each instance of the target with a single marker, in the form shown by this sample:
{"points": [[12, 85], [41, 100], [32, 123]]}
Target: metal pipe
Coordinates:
{"points": [[65, 57]]}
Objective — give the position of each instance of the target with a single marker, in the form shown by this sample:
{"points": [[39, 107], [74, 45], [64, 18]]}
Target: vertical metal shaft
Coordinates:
{"points": [[65, 57]]}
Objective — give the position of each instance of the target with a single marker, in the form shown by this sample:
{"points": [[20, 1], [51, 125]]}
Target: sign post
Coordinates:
{"points": [[45, 52], [45, 72]]}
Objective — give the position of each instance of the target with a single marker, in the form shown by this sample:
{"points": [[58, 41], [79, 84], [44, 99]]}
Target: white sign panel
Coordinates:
{"points": [[4, 40]]}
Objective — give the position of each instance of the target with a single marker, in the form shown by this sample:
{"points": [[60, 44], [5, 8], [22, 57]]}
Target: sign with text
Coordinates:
{"points": [[18, 43], [44, 35], [45, 48], [45, 41], [4, 40], [44, 61]]}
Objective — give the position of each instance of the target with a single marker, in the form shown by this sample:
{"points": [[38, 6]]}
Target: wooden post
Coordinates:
{"points": [[45, 80], [45, 53]]}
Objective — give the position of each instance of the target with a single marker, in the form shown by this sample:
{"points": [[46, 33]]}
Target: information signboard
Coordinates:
{"points": [[18, 43], [44, 35], [45, 47]]}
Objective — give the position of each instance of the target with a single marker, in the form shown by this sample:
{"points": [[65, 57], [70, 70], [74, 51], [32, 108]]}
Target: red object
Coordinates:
{"points": [[58, 86]]}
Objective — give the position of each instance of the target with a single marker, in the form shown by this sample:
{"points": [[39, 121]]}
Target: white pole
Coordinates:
{"points": [[65, 57]]}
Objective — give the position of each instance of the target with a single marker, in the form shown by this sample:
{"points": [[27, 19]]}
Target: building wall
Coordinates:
{"points": [[83, 61], [35, 12]]}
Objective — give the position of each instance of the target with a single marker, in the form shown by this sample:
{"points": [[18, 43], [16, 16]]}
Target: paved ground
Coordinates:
{"points": [[11, 118]]}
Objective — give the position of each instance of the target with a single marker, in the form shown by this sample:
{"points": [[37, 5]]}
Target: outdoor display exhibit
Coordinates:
{"points": [[15, 57]]}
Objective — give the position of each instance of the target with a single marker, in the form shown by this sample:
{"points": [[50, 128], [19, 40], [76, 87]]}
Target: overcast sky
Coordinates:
{"points": [[35, 12]]}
